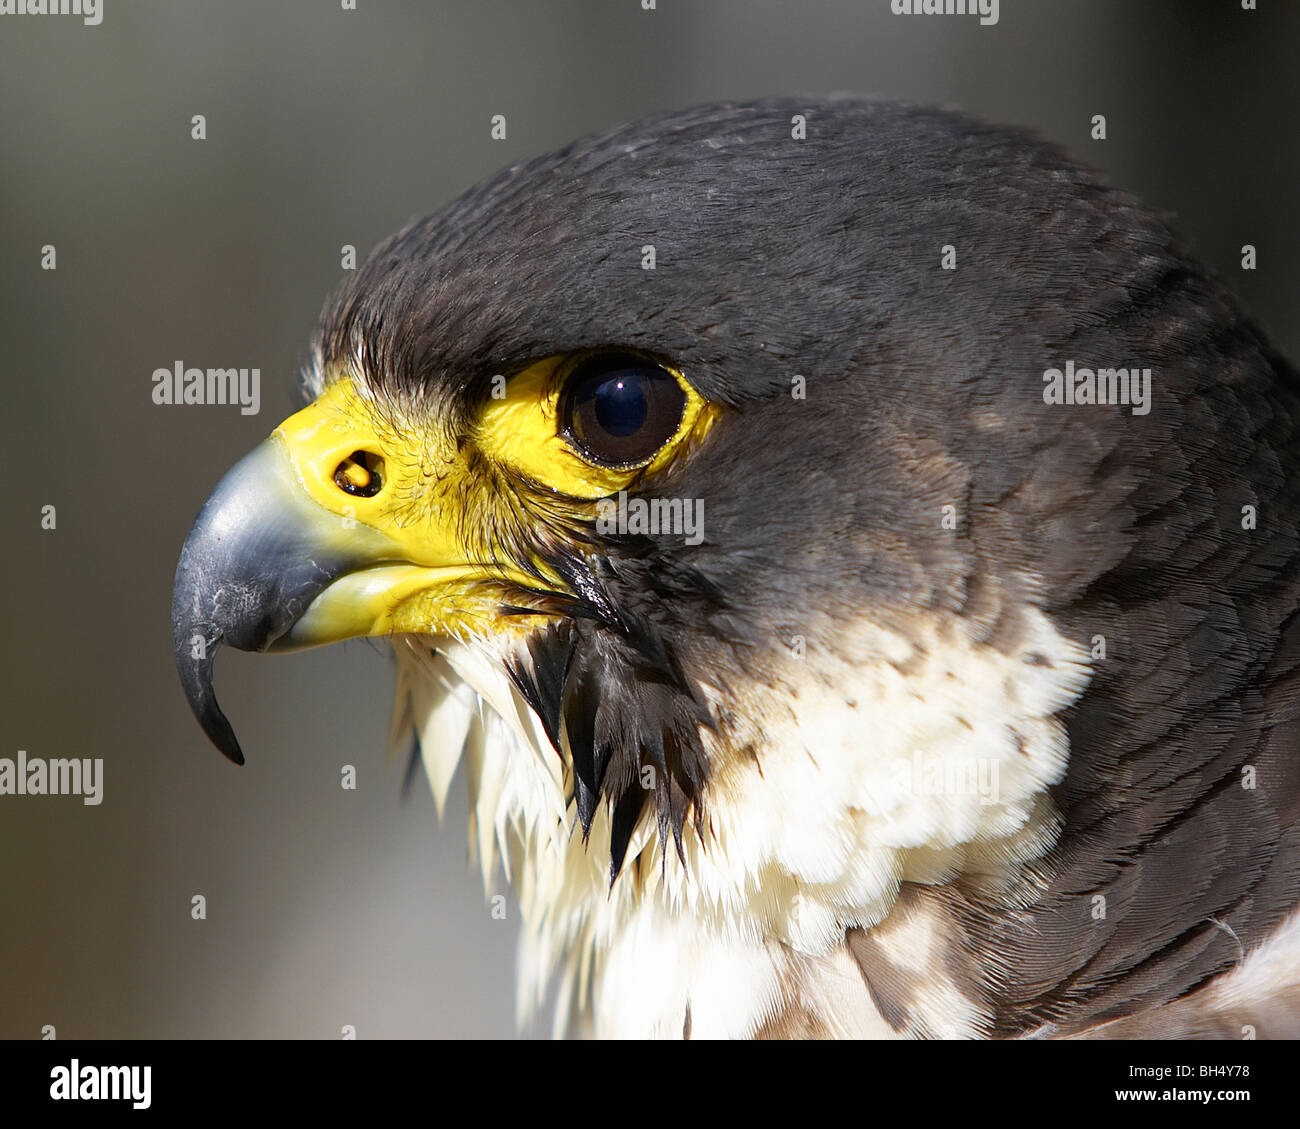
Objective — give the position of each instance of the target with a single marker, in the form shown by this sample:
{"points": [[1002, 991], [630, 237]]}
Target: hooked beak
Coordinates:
{"points": [[260, 554], [335, 527]]}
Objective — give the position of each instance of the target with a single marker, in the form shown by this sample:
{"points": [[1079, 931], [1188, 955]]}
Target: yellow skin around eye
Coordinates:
{"points": [[522, 430], [441, 528]]}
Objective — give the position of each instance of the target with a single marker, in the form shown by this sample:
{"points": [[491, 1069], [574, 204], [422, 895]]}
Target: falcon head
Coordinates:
{"points": [[702, 477]]}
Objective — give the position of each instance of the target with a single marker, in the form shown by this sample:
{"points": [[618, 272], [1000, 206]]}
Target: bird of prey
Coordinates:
{"points": [[855, 555]]}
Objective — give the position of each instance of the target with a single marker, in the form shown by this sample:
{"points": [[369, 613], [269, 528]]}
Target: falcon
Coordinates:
{"points": [[819, 665]]}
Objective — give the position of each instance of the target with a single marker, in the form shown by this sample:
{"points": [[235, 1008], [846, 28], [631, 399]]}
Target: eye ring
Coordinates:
{"points": [[620, 409], [361, 474]]}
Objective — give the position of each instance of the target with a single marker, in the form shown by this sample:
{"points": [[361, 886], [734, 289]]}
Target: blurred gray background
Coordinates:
{"points": [[327, 127]]}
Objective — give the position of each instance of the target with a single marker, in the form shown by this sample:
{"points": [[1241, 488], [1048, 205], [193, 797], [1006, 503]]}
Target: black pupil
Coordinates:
{"points": [[620, 410], [622, 403]]}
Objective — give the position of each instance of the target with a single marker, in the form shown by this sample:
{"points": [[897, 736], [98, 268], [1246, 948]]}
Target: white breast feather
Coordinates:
{"points": [[842, 811]]}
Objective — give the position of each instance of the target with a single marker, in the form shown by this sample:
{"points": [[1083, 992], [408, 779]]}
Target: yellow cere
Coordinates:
{"points": [[441, 526], [322, 438]]}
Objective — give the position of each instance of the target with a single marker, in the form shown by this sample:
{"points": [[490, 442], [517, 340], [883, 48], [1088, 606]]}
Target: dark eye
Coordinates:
{"points": [[619, 409]]}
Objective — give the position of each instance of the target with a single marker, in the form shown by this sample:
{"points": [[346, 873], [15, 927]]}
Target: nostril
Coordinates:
{"points": [[361, 474]]}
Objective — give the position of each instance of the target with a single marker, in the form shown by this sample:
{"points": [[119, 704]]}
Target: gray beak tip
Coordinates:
{"points": [[254, 559], [196, 680], [223, 736]]}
